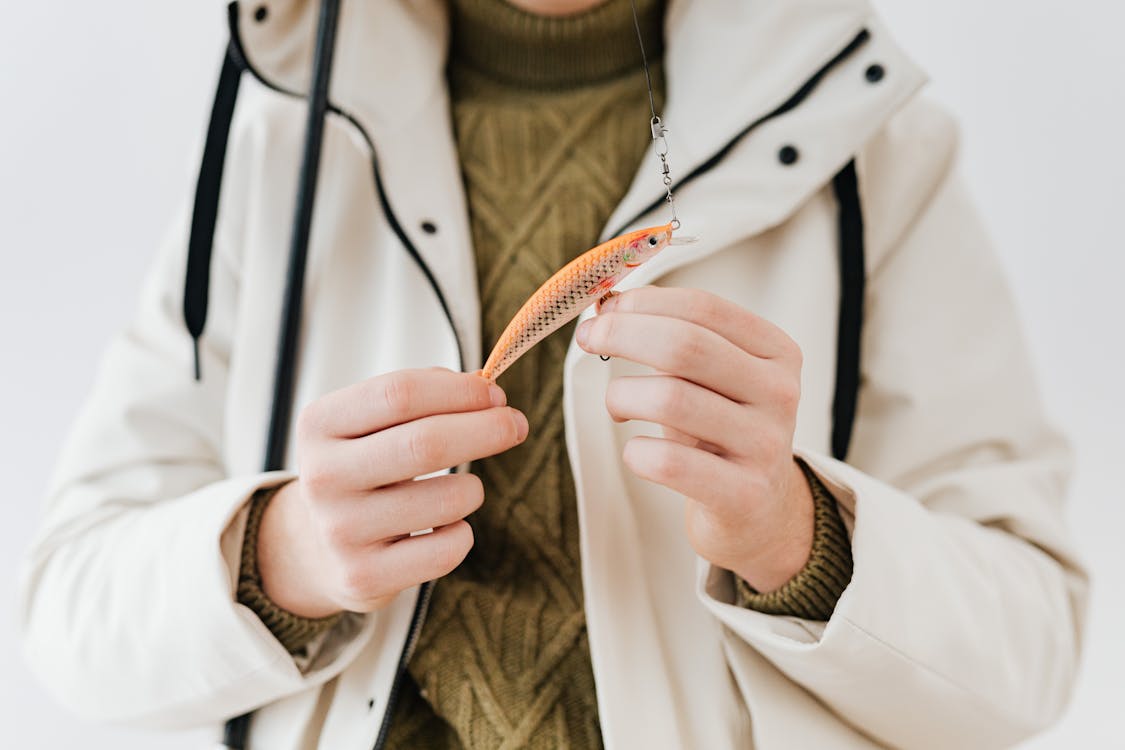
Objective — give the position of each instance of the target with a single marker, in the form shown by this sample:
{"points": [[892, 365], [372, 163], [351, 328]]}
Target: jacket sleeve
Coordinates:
{"points": [[961, 625], [128, 597]]}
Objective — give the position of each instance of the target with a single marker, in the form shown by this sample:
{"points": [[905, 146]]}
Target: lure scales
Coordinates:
{"points": [[587, 279]]}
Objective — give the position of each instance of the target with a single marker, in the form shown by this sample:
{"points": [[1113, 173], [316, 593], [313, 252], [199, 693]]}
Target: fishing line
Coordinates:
{"points": [[659, 132]]}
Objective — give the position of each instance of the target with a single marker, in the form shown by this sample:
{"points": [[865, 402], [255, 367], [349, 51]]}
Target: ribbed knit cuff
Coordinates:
{"points": [[294, 632], [812, 593]]}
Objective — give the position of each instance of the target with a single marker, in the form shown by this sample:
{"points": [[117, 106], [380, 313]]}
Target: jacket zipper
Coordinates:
{"points": [[421, 605]]}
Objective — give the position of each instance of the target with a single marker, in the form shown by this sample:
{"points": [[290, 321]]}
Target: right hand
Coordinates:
{"points": [[338, 537]]}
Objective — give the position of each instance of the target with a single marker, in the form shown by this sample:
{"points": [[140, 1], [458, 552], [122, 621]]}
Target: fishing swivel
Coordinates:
{"points": [[660, 145], [659, 132]]}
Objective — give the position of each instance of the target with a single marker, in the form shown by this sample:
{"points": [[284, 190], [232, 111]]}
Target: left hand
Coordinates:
{"points": [[726, 393]]}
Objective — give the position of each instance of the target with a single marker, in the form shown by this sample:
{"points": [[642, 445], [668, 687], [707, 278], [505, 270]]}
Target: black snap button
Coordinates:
{"points": [[787, 155], [261, 13], [429, 227], [875, 73]]}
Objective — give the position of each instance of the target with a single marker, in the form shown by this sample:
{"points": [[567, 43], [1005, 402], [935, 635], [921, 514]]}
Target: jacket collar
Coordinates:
{"points": [[729, 66], [727, 61], [389, 57]]}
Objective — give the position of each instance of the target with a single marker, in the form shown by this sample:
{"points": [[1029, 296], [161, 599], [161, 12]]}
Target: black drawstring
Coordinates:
{"points": [[201, 238], [237, 729], [282, 405], [853, 276]]}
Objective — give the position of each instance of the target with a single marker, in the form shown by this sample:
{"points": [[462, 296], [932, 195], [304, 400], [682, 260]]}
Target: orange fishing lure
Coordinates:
{"points": [[585, 280], [591, 276]]}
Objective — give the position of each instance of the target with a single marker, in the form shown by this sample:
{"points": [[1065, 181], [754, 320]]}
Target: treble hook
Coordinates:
{"points": [[598, 306]]}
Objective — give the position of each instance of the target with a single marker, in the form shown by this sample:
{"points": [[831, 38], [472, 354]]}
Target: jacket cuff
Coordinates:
{"points": [[292, 631], [811, 594]]}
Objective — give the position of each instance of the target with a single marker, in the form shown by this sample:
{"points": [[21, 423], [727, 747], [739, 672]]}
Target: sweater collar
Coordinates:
{"points": [[518, 48]]}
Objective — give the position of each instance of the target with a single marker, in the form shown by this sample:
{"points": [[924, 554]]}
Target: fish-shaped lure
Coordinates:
{"points": [[582, 282]]}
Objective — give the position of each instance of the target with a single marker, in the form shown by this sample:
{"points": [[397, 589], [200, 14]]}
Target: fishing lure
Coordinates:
{"points": [[586, 280], [590, 277]]}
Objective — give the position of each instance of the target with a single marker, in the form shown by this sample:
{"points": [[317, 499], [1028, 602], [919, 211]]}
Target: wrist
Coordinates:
{"points": [[283, 549], [813, 593], [787, 550]]}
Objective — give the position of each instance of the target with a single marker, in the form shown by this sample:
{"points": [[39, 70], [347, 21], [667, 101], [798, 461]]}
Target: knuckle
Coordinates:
{"points": [[685, 353], [699, 527], [425, 448], [797, 354], [770, 446], [474, 392], [393, 516], [655, 460], [309, 423], [787, 394], [439, 506], [667, 464], [398, 395], [669, 400], [357, 580], [337, 532], [318, 479], [711, 309]]}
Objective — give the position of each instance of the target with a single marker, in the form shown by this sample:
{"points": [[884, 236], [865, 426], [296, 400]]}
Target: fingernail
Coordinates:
{"points": [[583, 333], [521, 425], [496, 395]]}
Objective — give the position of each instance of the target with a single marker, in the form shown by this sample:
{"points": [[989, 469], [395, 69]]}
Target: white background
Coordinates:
{"points": [[104, 105]]}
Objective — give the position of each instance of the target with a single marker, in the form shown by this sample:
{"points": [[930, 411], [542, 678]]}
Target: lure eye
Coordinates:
{"points": [[652, 242]]}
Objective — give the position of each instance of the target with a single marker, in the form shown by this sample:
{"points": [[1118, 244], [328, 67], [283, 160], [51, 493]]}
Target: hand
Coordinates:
{"points": [[726, 394], [338, 537]]}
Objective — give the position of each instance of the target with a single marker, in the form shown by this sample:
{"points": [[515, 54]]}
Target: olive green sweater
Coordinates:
{"points": [[551, 122]]}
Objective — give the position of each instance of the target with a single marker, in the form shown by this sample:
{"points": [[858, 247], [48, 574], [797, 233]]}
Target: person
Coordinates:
{"points": [[810, 500]]}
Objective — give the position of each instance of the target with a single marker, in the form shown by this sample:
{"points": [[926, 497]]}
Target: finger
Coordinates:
{"points": [[749, 332], [671, 433], [397, 398], [682, 407], [714, 482], [420, 447], [678, 348], [392, 567], [404, 508]]}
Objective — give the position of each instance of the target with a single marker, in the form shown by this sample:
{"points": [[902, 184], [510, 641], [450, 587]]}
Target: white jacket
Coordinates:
{"points": [[962, 622]]}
